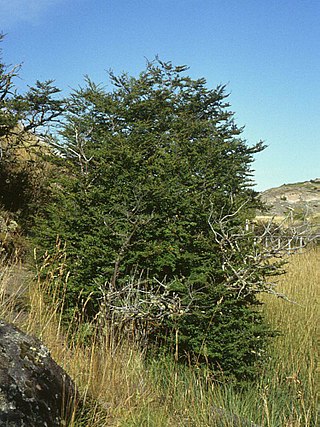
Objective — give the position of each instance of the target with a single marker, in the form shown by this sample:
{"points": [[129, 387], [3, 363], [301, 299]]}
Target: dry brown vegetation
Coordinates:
{"points": [[120, 389]]}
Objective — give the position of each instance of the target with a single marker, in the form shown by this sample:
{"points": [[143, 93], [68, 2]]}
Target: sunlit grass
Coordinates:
{"points": [[119, 388], [293, 371]]}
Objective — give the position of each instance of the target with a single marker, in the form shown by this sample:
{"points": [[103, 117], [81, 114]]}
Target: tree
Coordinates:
{"points": [[7, 120], [24, 121], [150, 168]]}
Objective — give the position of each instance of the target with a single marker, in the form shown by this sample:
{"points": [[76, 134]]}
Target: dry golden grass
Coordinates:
{"points": [[119, 390], [298, 320], [295, 358], [110, 378]]}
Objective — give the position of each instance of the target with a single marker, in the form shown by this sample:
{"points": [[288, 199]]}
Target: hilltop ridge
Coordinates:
{"points": [[301, 198]]}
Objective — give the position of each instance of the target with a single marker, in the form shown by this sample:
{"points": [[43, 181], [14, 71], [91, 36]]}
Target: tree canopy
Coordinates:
{"points": [[24, 122], [146, 168]]}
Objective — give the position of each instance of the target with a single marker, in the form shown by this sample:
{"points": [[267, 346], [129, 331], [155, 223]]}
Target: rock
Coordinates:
{"points": [[34, 390], [300, 198]]}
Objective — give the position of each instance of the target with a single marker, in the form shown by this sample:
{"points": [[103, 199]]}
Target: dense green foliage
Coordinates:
{"points": [[150, 191], [24, 121], [144, 168]]}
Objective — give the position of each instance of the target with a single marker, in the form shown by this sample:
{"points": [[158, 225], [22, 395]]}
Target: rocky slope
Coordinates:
{"points": [[302, 199]]}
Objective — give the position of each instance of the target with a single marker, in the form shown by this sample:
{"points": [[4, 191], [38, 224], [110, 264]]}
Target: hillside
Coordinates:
{"points": [[301, 198]]}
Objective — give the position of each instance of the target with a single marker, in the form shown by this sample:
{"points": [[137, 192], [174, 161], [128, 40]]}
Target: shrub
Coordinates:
{"points": [[148, 173]]}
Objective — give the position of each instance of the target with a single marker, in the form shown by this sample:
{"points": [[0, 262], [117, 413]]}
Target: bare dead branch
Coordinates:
{"points": [[250, 256]]}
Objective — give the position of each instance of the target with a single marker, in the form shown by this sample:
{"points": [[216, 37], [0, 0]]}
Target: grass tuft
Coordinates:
{"points": [[120, 388]]}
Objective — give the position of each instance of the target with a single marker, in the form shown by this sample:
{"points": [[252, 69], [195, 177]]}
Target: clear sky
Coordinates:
{"points": [[266, 51]]}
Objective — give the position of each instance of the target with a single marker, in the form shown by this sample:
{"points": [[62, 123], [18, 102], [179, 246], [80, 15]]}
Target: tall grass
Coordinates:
{"points": [[292, 377], [119, 388]]}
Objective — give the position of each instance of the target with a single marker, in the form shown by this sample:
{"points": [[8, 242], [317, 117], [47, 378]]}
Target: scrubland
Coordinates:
{"points": [[120, 388]]}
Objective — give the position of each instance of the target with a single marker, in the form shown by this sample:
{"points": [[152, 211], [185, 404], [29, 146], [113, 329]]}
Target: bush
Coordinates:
{"points": [[148, 172]]}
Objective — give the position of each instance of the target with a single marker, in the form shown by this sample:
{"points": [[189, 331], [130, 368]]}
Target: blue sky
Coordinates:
{"points": [[266, 51]]}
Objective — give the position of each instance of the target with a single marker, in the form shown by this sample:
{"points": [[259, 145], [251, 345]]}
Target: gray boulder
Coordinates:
{"points": [[34, 390]]}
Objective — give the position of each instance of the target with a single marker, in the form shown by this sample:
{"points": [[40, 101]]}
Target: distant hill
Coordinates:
{"points": [[301, 198]]}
